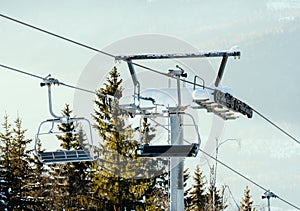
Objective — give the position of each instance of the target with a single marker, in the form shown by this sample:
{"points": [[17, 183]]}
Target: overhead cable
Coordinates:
{"points": [[139, 65], [43, 78], [142, 66], [225, 165], [55, 35], [276, 126], [21, 71], [87, 46], [248, 179]]}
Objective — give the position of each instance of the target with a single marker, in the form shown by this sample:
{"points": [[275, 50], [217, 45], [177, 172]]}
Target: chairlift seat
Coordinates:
{"points": [[168, 150], [65, 156], [218, 109], [228, 115]]}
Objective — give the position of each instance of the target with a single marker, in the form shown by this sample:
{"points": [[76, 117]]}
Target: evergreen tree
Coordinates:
{"points": [[246, 203], [114, 180], [214, 196], [6, 176], [41, 190], [197, 198], [219, 203], [70, 181], [157, 195], [16, 170], [187, 198]]}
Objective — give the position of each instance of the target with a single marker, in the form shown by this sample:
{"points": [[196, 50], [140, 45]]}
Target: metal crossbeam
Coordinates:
{"points": [[180, 55]]}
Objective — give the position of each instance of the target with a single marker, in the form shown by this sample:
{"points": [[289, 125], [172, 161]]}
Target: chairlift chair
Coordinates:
{"points": [[147, 150], [172, 150], [147, 107], [48, 129]]}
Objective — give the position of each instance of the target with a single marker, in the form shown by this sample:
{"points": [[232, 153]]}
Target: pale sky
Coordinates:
{"points": [[266, 76]]}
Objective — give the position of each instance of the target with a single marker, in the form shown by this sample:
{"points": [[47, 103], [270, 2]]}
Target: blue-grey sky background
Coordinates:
{"points": [[266, 76]]}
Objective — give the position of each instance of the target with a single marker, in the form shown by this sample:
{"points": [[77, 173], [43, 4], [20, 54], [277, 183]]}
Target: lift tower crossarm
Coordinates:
{"points": [[180, 55]]}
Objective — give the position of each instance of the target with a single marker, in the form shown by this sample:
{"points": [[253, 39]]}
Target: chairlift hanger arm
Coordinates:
{"points": [[47, 81], [179, 55], [221, 70], [135, 80]]}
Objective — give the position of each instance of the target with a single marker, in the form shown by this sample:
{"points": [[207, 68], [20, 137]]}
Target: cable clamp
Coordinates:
{"points": [[49, 81]]}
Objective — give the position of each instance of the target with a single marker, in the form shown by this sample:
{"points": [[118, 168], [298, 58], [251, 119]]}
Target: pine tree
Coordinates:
{"points": [[246, 203], [16, 169], [197, 198], [114, 180]]}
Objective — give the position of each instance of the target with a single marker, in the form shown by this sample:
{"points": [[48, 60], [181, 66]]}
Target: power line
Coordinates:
{"points": [[276, 126], [91, 48], [43, 78], [233, 170], [55, 35], [78, 88], [22, 72], [246, 178], [139, 65], [239, 174]]}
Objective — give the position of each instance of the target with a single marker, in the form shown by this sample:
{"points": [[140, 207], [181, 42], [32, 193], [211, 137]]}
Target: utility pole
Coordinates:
{"points": [[215, 172], [176, 164], [215, 178], [269, 195]]}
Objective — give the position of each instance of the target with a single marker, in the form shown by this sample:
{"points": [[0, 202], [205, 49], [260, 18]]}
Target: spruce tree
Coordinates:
{"points": [[219, 202], [115, 179], [197, 197], [41, 191], [6, 176], [16, 169], [246, 203], [157, 195], [70, 182], [187, 198]]}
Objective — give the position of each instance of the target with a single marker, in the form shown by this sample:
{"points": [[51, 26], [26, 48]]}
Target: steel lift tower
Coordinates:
{"points": [[213, 99], [151, 103]]}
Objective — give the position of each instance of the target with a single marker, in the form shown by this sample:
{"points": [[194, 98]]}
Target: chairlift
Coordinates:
{"points": [[147, 150], [204, 99], [172, 150], [147, 107], [219, 100], [47, 131]]}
